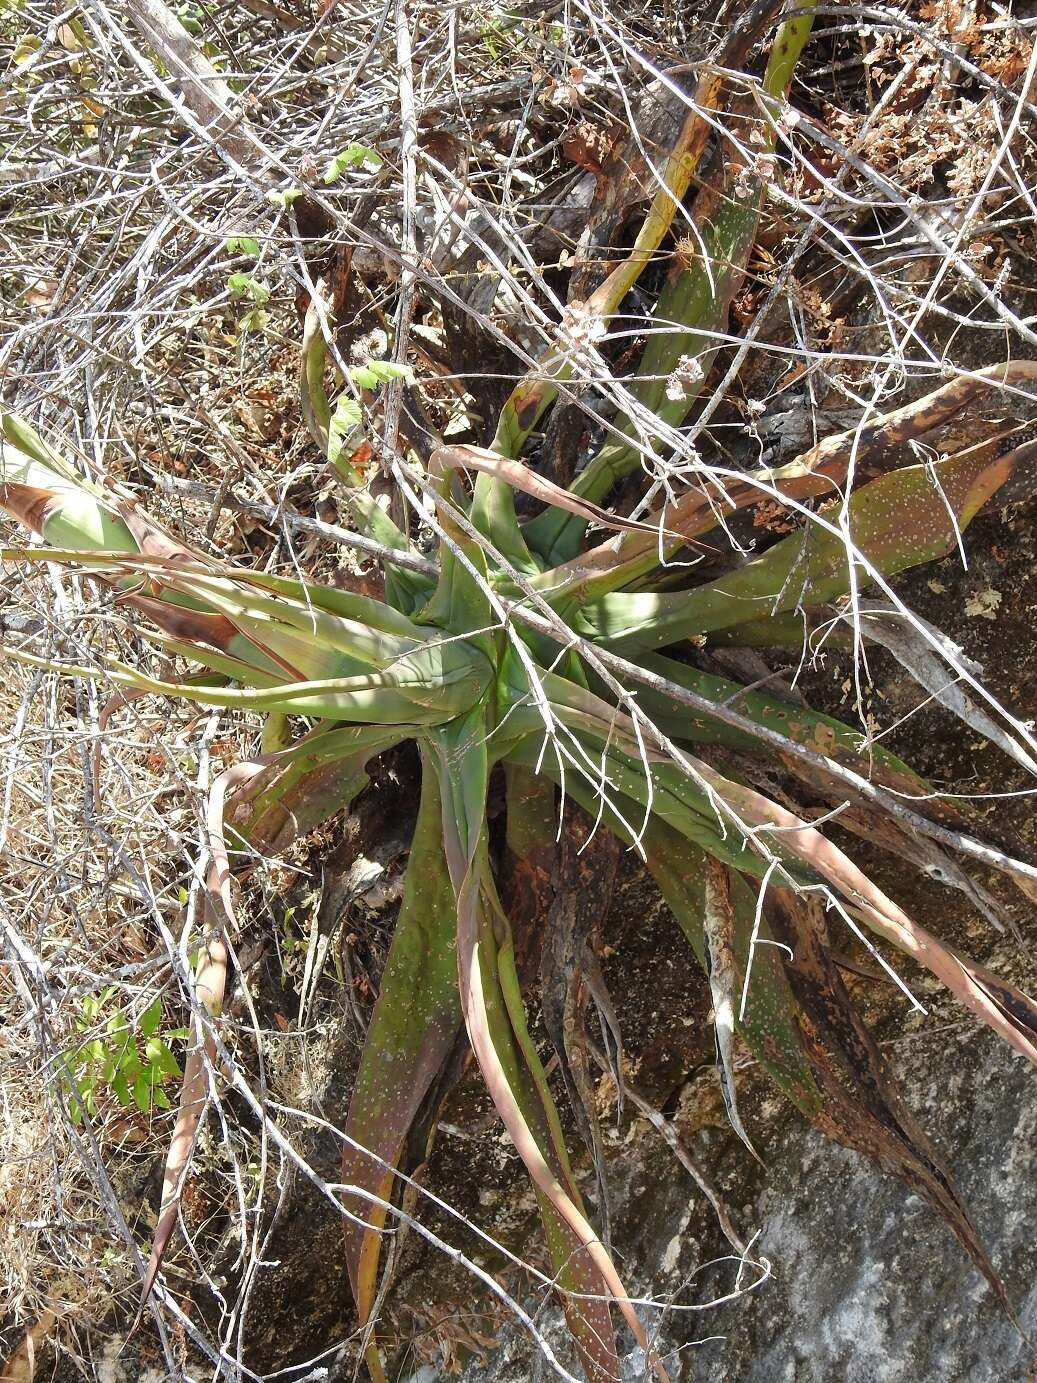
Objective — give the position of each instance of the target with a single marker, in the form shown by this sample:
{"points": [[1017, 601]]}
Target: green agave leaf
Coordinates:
{"points": [[361, 608], [276, 734], [78, 511], [802, 851], [901, 520], [826, 465], [19, 436], [768, 1025], [687, 301], [297, 634], [722, 973], [44, 491], [621, 562], [460, 601], [64, 512], [493, 514], [817, 731], [493, 509], [533, 395], [426, 688], [495, 1019], [308, 783], [531, 831], [269, 633], [691, 312], [200, 634], [609, 755], [209, 639], [413, 1029], [786, 631], [621, 763]]}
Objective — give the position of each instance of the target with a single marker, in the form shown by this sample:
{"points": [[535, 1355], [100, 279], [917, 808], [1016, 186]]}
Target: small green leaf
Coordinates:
{"points": [[242, 285], [389, 369], [25, 47], [142, 1094], [150, 1018], [352, 156], [121, 1089], [285, 198], [348, 415], [161, 1058], [255, 320], [190, 17], [243, 245], [363, 377], [374, 372]]}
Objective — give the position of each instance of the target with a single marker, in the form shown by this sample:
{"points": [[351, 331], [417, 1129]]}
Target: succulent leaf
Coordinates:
{"points": [[900, 520], [412, 1032]]}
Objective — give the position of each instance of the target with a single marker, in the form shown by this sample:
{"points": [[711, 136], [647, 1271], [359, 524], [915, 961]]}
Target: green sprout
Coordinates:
{"points": [[245, 286], [122, 1056], [357, 156]]}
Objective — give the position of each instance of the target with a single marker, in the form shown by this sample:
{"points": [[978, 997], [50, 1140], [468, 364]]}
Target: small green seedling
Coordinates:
{"points": [[126, 1057], [348, 413], [283, 198], [244, 285], [374, 372], [352, 156], [242, 245], [191, 17]]}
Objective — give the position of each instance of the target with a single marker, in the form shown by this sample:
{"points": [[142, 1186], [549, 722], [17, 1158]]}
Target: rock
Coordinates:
{"points": [[866, 1286]]}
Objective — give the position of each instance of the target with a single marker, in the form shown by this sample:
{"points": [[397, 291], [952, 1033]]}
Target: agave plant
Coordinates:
{"points": [[536, 646]]}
